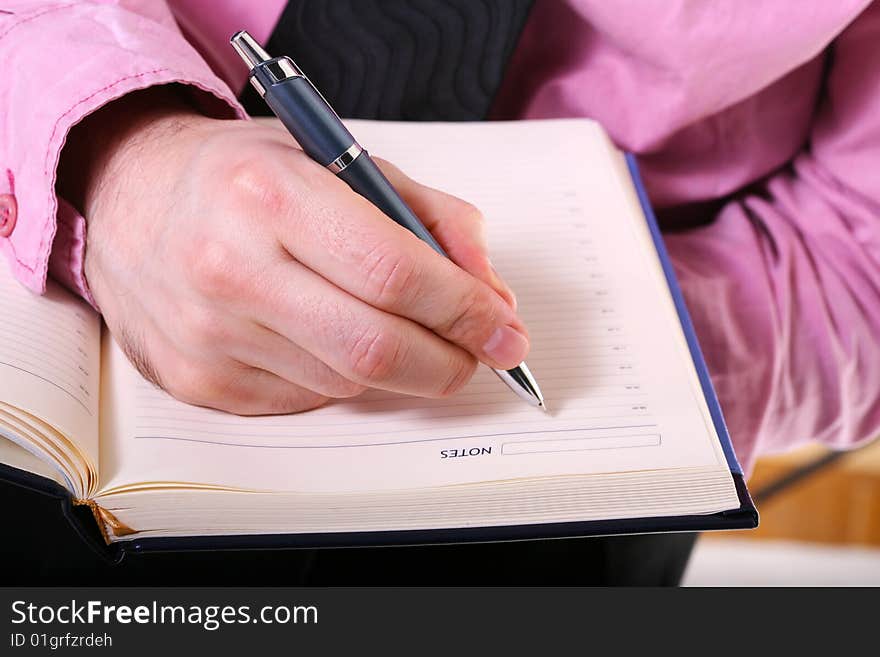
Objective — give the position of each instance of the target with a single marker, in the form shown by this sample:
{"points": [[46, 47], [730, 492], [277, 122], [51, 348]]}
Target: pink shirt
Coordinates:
{"points": [[783, 285]]}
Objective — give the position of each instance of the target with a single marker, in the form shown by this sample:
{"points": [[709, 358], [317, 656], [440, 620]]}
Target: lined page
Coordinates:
{"points": [[49, 360], [16, 456], [566, 233]]}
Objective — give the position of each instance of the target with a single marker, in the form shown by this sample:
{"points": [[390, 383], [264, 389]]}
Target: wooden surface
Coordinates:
{"points": [[840, 504]]}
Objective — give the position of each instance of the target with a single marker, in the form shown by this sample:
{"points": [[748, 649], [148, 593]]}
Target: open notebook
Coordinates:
{"points": [[635, 441]]}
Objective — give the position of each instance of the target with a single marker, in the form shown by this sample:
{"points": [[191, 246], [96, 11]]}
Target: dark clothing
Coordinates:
{"points": [[420, 60]]}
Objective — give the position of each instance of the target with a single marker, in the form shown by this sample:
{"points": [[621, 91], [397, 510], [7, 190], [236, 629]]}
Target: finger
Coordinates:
{"points": [[263, 348], [360, 342], [215, 381], [355, 246], [234, 387], [247, 390], [458, 226]]}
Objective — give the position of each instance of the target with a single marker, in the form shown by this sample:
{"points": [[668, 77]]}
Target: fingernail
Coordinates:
{"points": [[506, 346]]}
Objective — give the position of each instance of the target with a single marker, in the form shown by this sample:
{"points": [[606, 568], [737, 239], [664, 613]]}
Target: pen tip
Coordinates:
{"points": [[543, 406]]}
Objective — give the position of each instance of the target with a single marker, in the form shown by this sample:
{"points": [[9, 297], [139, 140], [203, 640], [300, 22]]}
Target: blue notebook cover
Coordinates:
{"points": [[744, 517]]}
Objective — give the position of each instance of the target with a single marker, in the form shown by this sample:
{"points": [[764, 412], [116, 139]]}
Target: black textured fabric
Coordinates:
{"points": [[411, 60]]}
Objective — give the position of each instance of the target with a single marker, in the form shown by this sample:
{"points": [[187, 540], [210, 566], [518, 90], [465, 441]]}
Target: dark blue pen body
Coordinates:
{"points": [[324, 138], [364, 177], [305, 114]]}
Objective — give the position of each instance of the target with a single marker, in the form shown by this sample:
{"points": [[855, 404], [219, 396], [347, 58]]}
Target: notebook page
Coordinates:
{"points": [[49, 359], [606, 347], [14, 455]]}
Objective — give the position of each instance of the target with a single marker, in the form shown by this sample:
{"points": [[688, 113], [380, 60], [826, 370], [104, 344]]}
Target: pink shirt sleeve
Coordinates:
{"points": [[61, 61], [784, 286]]}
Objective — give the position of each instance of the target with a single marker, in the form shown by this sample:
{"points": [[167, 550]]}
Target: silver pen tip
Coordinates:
{"points": [[520, 380], [248, 49], [543, 406]]}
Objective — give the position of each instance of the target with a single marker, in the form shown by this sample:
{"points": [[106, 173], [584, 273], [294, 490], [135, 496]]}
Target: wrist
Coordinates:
{"points": [[100, 149]]}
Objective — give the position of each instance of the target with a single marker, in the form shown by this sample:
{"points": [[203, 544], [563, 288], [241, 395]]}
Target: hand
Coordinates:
{"points": [[238, 274]]}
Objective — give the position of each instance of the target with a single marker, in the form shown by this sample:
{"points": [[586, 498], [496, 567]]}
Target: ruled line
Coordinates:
{"points": [[52, 383], [388, 443]]}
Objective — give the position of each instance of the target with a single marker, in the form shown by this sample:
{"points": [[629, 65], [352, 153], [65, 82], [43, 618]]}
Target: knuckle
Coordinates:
{"points": [[214, 270], [389, 276], [253, 181], [470, 212], [469, 317], [341, 388], [374, 356], [460, 374], [295, 402], [326, 381]]}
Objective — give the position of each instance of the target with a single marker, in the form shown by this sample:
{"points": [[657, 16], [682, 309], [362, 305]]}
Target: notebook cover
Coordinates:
{"points": [[79, 517], [744, 517]]}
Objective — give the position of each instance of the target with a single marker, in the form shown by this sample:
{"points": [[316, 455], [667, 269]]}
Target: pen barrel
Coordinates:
{"points": [[324, 137], [365, 178], [307, 117]]}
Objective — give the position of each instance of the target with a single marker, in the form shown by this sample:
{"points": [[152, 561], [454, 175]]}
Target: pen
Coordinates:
{"points": [[313, 123]]}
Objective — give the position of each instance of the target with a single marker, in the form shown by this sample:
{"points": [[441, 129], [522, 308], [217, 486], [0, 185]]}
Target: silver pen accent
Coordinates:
{"points": [[345, 159], [249, 49], [521, 381], [315, 125]]}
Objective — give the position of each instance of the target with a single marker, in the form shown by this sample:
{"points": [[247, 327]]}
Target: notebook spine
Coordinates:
{"points": [[85, 518]]}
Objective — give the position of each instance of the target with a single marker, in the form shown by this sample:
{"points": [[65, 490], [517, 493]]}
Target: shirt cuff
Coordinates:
{"points": [[125, 52]]}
